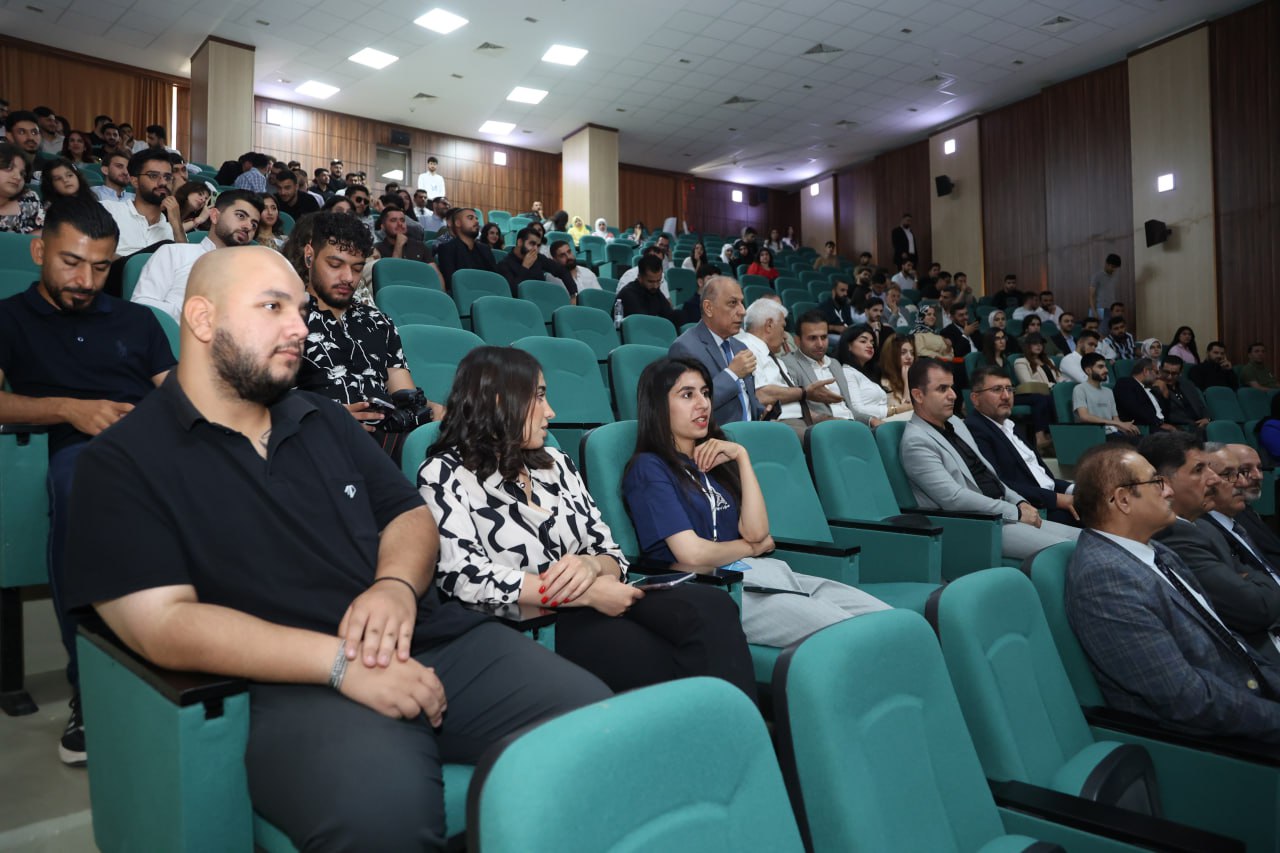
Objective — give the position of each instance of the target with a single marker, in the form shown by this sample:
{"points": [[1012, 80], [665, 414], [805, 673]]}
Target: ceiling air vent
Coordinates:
{"points": [[846, 123], [423, 96], [820, 48], [1056, 24], [490, 47], [735, 100]]}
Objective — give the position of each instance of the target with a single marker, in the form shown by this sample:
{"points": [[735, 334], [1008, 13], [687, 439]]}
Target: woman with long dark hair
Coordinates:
{"points": [[856, 351], [896, 357], [763, 265], [518, 525], [1033, 325], [491, 236], [697, 257], [1184, 346], [694, 499], [61, 180], [194, 200], [77, 148]]}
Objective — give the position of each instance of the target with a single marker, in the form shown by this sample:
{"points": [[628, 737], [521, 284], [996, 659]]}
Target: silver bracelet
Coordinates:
{"points": [[339, 670]]}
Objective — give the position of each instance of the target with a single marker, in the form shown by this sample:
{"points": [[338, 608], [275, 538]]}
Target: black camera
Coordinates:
{"points": [[408, 410]]}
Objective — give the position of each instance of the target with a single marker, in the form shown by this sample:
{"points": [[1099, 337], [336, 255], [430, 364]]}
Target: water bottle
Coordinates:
{"points": [[617, 314]]}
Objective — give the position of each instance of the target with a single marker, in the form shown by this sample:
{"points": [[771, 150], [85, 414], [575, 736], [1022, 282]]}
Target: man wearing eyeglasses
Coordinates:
{"points": [[153, 215], [1156, 646]]}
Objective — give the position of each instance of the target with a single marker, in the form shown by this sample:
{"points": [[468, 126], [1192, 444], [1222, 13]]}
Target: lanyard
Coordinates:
{"points": [[710, 494]]}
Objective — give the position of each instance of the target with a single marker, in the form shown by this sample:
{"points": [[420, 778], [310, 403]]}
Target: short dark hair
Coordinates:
{"points": [[1090, 360], [1140, 365], [1087, 333], [44, 112], [1213, 344], [979, 377], [284, 176], [99, 119], [527, 232], [1010, 275], [958, 274], [1099, 472], [876, 300], [1173, 361], [258, 160], [320, 171], [555, 247], [453, 213], [145, 156], [230, 197], [1066, 314], [122, 125], [918, 373], [810, 317], [432, 159], [1167, 451], [1116, 320], [706, 270], [831, 243], [1113, 260], [879, 278], [949, 289], [88, 217], [648, 263], [106, 161], [338, 229], [11, 121], [1254, 344], [1046, 292], [110, 126], [156, 130]]}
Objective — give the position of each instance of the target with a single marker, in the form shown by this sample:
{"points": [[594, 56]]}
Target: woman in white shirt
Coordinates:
{"points": [[856, 351], [696, 258]]}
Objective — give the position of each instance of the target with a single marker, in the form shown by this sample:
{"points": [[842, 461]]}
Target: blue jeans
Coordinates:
{"points": [[62, 466]]}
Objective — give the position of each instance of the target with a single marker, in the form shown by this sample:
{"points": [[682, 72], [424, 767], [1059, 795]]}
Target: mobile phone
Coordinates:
{"points": [[662, 581]]}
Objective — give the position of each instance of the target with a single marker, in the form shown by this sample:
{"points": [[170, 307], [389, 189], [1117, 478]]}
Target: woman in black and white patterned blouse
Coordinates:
{"points": [[517, 524]]}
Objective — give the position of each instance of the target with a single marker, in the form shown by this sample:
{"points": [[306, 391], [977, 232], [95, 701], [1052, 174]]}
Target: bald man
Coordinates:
{"points": [[231, 525], [729, 361]]}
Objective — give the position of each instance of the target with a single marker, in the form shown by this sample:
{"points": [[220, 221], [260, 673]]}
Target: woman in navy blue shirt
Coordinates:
{"points": [[694, 499]]}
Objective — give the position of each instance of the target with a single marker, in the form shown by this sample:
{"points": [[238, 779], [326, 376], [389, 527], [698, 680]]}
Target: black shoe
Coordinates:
{"points": [[71, 748]]}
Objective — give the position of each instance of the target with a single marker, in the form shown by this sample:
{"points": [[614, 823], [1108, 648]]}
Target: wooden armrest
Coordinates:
{"points": [[180, 688]]}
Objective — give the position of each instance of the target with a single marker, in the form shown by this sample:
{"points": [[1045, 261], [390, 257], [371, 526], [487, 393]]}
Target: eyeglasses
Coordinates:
{"points": [[996, 389], [159, 177], [1159, 481]]}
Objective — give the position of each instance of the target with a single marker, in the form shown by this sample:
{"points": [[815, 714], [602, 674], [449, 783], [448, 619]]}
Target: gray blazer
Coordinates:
{"points": [[699, 344], [940, 479], [802, 374]]}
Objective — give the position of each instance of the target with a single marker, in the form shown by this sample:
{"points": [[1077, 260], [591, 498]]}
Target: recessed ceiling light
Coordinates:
{"points": [[497, 128], [619, 109], [523, 95], [456, 76], [806, 86], [531, 20], [316, 89], [685, 61], [563, 55], [440, 21], [1017, 62], [373, 58], [732, 129]]}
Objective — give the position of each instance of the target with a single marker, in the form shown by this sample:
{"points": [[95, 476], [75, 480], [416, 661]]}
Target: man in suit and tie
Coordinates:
{"points": [[1018, 465], [1063, 339], [945, 469], [962, 332], [1154, 644], [728, 360], [809, 364], [1264, 537], [1135, 400]]}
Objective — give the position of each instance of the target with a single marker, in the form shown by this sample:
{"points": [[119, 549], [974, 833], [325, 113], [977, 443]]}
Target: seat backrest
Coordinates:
{"points": [[789, 496], [888, 438], [1048, 571], [414, 451], [872, 735], [132, 272], [973, 360], [518, 223], [626, 363], [590, 325], [557, 236], [697, 748], [469, 285], [575, 387], [791, 297], [170, 326], [408, 304], [501, 321], [848, 472], [15, 281], [752, 292], [404, 271], [287, 223], [433, 353], [750, 280], [1013, 689], [1223, 404], [1255, 402], [1228, 432], [547, 295], [786, 282], [647, 329], [1124, 367], [683, 281], [1062, 392], [605, 453], [501, 218], [808, 275], [600, 299]]}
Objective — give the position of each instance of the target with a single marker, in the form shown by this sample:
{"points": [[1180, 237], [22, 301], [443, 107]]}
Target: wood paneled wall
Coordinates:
{"points": [[651, 195], [856, 208], [1245, 88], [903, 186], [314, 137], [1013, 201]]}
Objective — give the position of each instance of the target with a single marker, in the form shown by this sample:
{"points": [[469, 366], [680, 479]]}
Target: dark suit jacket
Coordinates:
{"points": [[900, 247], [1154, 655], [515, 272], [1262, 535], [1189, 411], [960, 343], [1134, 405], [698, 343], [1060, 341], [1235, 582], [1013, 472]]}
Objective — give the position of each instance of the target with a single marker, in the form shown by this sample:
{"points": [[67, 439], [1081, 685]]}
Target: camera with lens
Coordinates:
{"points": [[407, 410]]}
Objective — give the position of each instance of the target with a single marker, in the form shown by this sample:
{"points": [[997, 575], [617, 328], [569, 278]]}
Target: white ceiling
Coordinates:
{"points": [[658, 70]]}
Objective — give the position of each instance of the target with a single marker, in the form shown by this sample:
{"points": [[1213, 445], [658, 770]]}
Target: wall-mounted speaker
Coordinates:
{"points": [[944, 185], [1157, 232], [400, 137]]}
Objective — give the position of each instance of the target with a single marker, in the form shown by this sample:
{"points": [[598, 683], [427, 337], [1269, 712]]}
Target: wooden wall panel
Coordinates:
{"points": [[1013, 209], [903, 186], [1245, 87], [1088, 186], [646, 195], [651, 195], [956, 227], [818, 212], [856, 207]]}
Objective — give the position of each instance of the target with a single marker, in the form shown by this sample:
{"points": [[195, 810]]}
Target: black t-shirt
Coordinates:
{"points": [[515, 272], [347, 358], [638, 299], [110, 351], [413, 250], [453, 255], [836, 315], [303, 203], [168, 498]]}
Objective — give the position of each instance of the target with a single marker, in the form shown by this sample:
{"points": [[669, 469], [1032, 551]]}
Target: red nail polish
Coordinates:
{"points": [[554, 603], [542, 589], [544, 599]]}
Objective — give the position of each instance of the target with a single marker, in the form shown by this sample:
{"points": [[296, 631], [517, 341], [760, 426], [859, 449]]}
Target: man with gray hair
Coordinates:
{"points": [[763, 331], [731, 364]]}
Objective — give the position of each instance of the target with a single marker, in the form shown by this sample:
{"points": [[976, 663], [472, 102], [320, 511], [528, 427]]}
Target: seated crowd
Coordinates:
{"points": [[1173, 589]]}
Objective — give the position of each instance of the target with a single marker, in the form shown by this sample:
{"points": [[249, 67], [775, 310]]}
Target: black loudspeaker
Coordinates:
{"points": [[758, 196], [399, 137], [944, 185], [1157, 232]]}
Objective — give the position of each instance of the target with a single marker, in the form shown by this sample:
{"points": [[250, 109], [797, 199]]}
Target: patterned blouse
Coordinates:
{"points": [[30, 215], [489, 536], [347, 358]]}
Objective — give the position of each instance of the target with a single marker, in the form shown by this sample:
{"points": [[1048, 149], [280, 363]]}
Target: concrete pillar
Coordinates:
{"points": [[221, 101], [818, 214], [957, 218], [590, 174]]}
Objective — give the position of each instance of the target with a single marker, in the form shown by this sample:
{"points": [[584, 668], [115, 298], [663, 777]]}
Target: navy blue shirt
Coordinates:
{"points": [[663, 503], [109, 351]]}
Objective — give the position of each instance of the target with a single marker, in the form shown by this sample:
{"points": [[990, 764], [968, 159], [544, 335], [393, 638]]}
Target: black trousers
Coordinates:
{"points": [[672, 633], [333, 774]]}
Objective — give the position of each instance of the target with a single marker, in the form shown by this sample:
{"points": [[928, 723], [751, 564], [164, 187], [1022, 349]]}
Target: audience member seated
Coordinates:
{"points": [[1030, 306], [1137, 402], [1009, 298], [578, 230], [774, 243], [631, 274], [694, 499], [1154, 643], [194, 207], [1184, 346], [1018, 466], [583, 278], [1255, 373], [439, 218], [1063, 339], [896, 357], [23, 130], [1260, 538], [874, 318], [1035, 368], [254, 174], [1215, 370], [152, 216], [602, 230], [163, 282], [1094, 403], [998, 320], [1179, 400], [78, 149], [1070, 364], [946, 302], [791, 240], [868, 399], [929, 343], [829, 258], [51, 139], [396, 242], [1118, 343], [270, 226], [352, 353], [156, 137], [712, 343], [837, 309], [763, 265], [697, 257], [491, 235], [995, 348], [121, 354], [896, 312], [764, 333], [517, 525], [290, 199], [747, 246], [905, 278], [1151, 348], [152, 555], [525, 263], [464, 251], [61, 180], [810, 363], [643, 295], [946, 471], [1049, 311], [115, 178], [1033, 326]]}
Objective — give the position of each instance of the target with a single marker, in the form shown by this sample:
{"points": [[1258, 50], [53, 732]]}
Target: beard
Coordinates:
{"points": [[155, 196], [250, 380]]}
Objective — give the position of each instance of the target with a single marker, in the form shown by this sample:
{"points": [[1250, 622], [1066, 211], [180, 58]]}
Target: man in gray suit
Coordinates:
{"points": [[810, 364], [1266, 540], [728, 360], [1154, 644], [946, 470]]}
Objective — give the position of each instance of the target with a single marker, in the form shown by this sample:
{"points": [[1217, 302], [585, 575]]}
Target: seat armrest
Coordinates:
{"points": [[822, 549], [709, 575], [521, 617], [583, 425], [1252, 751], [889, 526], [23, 429], [180, 688], [955, 513], [1108, 821]]}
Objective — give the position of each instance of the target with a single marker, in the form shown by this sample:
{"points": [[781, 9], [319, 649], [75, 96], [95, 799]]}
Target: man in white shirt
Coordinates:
{"points": [[50, 139], [906, 278], [154, 214], [810, 364], [233, 222], [585, 279], [115, 178], [1049, 310], [1030, 305], [1070, 366], [763, 332], [430, 182]]}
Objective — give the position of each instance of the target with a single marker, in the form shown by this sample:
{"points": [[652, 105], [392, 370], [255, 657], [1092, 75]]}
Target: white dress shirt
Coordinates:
{"points": [[770, 372], [135, 231], [903, 282], [1152, 397], [163, 283], [1043, 480], [1050, 316], [822, 371], [585, 279], [432, 183], [1070, 367]]}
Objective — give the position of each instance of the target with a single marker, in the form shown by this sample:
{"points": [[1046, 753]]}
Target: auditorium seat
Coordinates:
{"points": [[132, 272], [626, 363], [647, 329], [433, 354], [1071, 439], [547, 295], [752, 292], [602, 300], [1255, 403], [591, 326], [403, 271], [1224, 405], [24, 540], [749, 280], [15, 281], [791, 297], [408, 304], [681, 283], [575, 388], [1227, 432], [469, 285], [170, 327], [593, 249], [501, 320]]}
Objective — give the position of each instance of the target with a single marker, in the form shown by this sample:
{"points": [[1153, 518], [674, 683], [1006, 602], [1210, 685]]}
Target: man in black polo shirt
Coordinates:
{"points": [[293, 553], [397, 243], [464, 252], [644, 294], [526, 263], [77, 360], [290, 198]]}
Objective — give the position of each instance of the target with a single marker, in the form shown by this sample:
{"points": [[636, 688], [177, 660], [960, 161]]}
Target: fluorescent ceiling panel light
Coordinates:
{"points": [[440, 21], [523, 95], [949, 146], [316, 89], [562, 55], [813, 189], [737, 196], [499, 158], [1164, 183], [497, 128], [394, 175], [373, 58]]}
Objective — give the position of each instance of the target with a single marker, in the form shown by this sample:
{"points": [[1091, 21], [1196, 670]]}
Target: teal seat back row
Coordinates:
{"points": [[1255, 403], [575, 388], [849, 473], [605, 453], [592, 249], [874, 744], [1227, 432], [546, 295], [607, 284], [501, 218], [626, 363], [696, 748], [408, 304], [602, 300], [750, 280], [888, 437], [752, 292], [590, 325], [1048, 572], [469, 285], [1062, 392], [14, 281], [403, 271], [170, 327], [15, 254], [647, 329], [501, 321], [433, 353], [778, 459], [287, 223], [132, 272], [24, 512], [791, 297], [1223, 404], [682, 284]]}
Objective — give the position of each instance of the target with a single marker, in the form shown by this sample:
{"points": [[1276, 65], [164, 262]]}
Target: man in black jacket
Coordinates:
{"points": [[904, 242], [1137, 402], [524, 263]]}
